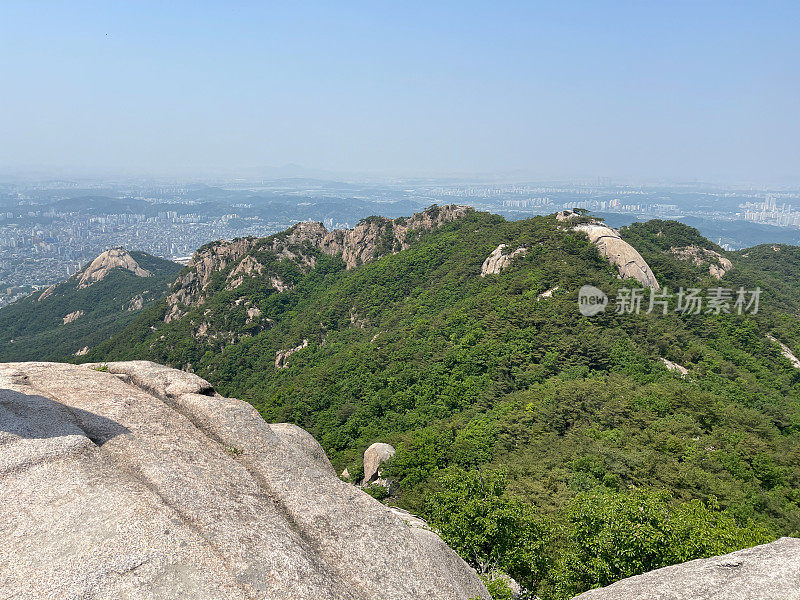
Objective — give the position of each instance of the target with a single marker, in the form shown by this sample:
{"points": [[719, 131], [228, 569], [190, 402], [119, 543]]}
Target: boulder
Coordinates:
{"points": [[374, 456], [767, 572], [138, 481], [498, 260], [510, 582], [619, 253], [718, 265]]}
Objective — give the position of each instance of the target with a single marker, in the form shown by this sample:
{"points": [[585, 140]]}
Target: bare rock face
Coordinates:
{"points": [[47, 292], [72, 316], [786, 352], [138, 481], [281, 356], [136, 303], [189, 287], [374, 456], [617, 251], [547, 293], [718, 265], [370, 239], [673, 366], [767, 572], [497, 260], [566, 215], [116, 258]]}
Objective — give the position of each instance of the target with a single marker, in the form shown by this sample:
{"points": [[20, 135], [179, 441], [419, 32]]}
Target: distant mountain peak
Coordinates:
{"points": [[115, 258], [372, 238]]}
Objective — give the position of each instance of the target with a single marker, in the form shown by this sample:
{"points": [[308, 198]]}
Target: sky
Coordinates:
{"points": [[665, 90]]}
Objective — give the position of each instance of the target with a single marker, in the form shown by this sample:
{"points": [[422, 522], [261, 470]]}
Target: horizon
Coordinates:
{"points": [[672, 93]]}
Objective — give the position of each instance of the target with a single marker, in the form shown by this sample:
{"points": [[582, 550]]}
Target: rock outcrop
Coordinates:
{"points": [[786, 352], [370, 239], [137, 481], [116, 258], [620, 253], [136, 303], [497, 260], [73, 316], [718, 265], [767, 572], [47, 292], [547, 293], [189, 287], [374, 457], [281, 356], [673, 366]]}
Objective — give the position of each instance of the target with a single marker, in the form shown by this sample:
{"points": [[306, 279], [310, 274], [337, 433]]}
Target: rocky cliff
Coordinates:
{"points": [[138, 481], [370, 239], [85, 309]]}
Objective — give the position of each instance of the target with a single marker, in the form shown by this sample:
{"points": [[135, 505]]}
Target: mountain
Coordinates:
{"points": [[166, 489], [95, 303], [569, 450]]}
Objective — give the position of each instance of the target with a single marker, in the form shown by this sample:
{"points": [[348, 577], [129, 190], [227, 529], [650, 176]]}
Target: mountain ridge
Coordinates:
{"points": [[98, 301], [496, 391]]}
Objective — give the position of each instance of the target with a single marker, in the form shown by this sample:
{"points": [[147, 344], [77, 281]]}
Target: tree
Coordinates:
{"points": [[487, 528]]}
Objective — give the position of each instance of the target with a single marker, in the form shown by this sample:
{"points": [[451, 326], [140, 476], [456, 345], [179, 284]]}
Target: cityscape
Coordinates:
{"points": [[51, 229]]}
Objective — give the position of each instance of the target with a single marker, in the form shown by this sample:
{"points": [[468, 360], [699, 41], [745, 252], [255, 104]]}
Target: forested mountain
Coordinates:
{"points": [[568, 450], [92, 305]]}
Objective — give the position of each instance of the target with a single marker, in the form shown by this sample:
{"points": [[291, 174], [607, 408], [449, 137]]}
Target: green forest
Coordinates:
{"points": [[554, 447]]}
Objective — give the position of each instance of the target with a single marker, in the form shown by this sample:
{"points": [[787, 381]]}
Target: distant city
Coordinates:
{"points": [[50, 229]]}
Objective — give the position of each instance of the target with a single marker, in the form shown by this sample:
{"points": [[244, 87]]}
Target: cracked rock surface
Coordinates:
{"points": [[139, 481], [620, 253]]}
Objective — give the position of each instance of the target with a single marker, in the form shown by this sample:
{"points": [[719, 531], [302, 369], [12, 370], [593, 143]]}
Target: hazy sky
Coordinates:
{"points": [[650, 89]]}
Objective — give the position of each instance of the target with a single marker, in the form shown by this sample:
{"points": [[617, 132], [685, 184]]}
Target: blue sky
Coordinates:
{"points": [[631, 90]]}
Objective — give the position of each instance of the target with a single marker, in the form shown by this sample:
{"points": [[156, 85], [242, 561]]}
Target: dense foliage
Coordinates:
{"points": [[595, 539], [465, 373]]}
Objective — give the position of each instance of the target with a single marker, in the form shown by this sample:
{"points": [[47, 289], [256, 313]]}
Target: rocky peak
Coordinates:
{"points": [[371, 238], [190, 285], [116, 258]]}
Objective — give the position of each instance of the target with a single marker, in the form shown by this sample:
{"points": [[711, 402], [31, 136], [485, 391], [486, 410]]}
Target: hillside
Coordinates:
{"points": [[569, 450], [86, 309]]}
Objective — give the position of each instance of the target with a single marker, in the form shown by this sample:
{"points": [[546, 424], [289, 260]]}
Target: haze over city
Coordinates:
{"points": [[675, 91]]}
